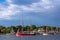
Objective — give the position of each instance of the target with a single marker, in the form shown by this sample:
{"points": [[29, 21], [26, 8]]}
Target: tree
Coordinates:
{"points": [[32, 27], [27, 28], [18, 27], [1, 29]]}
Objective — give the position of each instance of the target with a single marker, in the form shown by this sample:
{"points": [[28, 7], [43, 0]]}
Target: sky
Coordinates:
{"points": [[37, 12]]}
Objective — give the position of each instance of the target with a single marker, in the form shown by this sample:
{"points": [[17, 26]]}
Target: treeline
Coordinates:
{"points": [[4, 30]]}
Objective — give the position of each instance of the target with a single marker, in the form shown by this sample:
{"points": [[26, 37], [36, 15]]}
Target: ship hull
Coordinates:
{"points": [[22, 34]]}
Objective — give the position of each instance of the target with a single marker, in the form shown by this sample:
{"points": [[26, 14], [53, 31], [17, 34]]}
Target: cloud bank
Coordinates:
{"points": [[40, 11], [14, 7]]}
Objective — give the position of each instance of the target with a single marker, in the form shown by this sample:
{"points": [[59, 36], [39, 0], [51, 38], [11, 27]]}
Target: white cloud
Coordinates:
{"points": [[43, 4], [13, 9], [9, 1], [40, 6]]}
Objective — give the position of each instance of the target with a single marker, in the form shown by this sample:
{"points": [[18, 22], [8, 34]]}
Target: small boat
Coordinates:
{"points": [[45, 33], [11, 32]]}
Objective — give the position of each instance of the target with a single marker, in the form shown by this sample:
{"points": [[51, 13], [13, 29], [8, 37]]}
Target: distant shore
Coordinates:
{"points": [[32, 28]]}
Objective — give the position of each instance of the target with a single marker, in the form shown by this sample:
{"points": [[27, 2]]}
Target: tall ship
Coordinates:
{"points": [[22, 33]]}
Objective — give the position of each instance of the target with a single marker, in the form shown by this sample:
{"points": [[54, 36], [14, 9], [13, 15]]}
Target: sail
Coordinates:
{"points": [[12, 31]]}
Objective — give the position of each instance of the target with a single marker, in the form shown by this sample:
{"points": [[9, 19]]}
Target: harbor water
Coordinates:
{"points": [[36, 37]]}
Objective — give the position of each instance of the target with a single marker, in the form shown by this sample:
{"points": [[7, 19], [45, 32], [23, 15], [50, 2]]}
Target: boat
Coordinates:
{"points": [[11, 32], [22, 33], [45, 33], [51, 32]]}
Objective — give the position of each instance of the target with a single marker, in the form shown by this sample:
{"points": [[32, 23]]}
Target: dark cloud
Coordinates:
{"points": [[24, 2], [49, 16]]}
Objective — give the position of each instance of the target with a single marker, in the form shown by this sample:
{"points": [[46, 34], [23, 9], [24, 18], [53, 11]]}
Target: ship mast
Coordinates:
{"points": [[22, 23], [56, 30], [51, 29], [30, 24], [46, 29]]}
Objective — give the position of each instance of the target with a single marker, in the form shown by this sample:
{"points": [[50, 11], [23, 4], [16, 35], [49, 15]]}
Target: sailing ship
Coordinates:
{"points": [[46, 33], [11, 32], [22, 33], [49, 33]]}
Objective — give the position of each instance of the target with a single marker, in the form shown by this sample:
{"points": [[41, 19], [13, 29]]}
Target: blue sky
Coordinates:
{"points": [[2, 1], [41, 12]]}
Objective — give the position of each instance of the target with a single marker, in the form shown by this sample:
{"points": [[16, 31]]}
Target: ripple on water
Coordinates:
{"points": [[37, 37]]}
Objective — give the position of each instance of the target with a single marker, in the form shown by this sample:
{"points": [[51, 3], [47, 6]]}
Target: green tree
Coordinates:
{"points": [[32, 27], [18, 27], [27, 28], [1, 29]]}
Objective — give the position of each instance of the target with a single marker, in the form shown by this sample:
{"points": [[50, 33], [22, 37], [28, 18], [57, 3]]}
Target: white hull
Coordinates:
{"points": [[45, 33]]}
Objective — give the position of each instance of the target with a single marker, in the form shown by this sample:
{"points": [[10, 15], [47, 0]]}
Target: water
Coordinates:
{"points": [[37, 37]]}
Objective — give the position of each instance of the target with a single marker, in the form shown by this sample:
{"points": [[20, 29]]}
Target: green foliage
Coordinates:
{"points": [[18, 27], [32, 27], [27, 28], [5, 30]]}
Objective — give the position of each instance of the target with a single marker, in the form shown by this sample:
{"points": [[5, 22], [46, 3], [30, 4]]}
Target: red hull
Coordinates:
{"points": [[21, 34]]}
